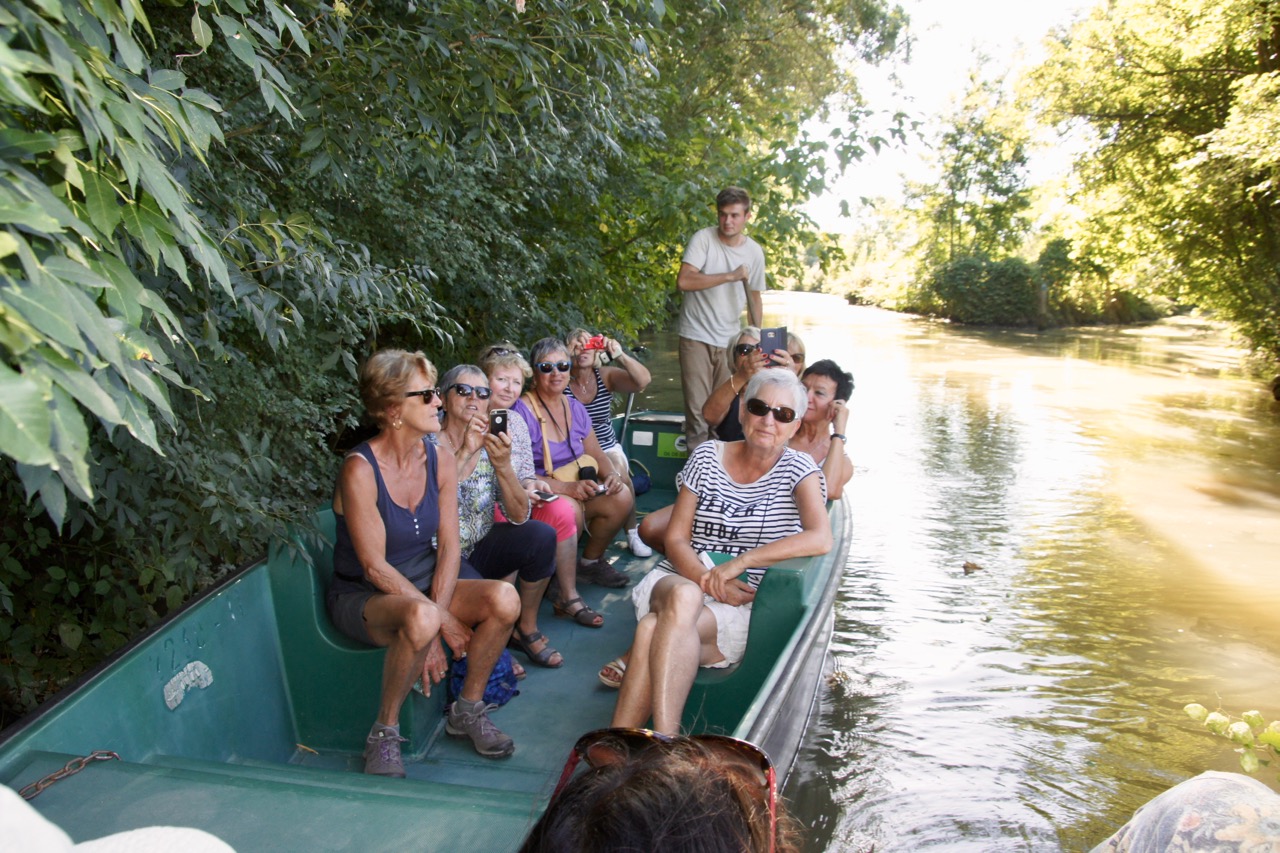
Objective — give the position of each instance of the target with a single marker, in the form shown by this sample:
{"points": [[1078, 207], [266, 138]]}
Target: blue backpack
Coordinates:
{"points": [[501, 686]]}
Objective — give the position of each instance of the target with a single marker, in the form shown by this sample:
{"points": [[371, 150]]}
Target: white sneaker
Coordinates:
{"points": [[636, 544]]}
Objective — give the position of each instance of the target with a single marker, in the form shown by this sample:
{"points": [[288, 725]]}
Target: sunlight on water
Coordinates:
{"points": [[1120, 491]]}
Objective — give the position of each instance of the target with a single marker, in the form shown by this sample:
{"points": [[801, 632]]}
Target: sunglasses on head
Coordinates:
{"points": [[427, 394], [498, 351], [610, 747], [743, 349], [548, 366], [760, 408], [462, 389]]}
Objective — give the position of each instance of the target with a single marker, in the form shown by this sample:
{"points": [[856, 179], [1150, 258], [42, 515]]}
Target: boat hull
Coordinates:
{"points": [[245, 713]]}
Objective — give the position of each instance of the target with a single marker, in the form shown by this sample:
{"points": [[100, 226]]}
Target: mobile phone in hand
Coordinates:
{"points": [[545, 497], [498, 421], [773, 338]]}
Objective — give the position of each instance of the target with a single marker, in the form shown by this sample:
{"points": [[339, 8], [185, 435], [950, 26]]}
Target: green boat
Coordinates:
{"points": [[245, 713]]}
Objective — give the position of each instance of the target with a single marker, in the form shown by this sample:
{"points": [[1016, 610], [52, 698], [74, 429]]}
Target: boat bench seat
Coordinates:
{"points": [[334, 682], [720, 696]]}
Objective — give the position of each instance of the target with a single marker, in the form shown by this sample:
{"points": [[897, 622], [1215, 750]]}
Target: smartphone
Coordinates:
{"points": [[774, 338], [545, 497], [498, 421]]}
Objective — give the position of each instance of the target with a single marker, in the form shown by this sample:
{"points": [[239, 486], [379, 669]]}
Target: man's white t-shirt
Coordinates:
{"points": [[713, 315]]}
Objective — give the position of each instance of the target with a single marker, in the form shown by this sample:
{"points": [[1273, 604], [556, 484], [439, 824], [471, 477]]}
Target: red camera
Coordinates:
{"points": [[594, 342]]}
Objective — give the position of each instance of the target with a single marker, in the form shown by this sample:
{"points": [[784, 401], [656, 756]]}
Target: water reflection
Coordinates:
{"points": [[1119, 490]]}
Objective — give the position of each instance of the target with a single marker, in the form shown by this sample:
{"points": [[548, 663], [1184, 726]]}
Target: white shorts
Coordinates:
{"points": [[732, 621], [618, 459]]}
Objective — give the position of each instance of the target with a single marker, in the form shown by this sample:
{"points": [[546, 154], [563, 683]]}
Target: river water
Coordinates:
{"points": [[1120, 490]]}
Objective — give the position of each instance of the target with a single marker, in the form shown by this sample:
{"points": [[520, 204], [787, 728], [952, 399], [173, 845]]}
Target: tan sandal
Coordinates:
{"points": [[611, 674]]}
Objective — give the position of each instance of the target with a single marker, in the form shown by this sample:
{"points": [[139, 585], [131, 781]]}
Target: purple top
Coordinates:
{"points": [[562, 453]]}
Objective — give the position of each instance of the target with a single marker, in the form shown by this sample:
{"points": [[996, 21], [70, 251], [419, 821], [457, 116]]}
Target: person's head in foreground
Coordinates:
{"points": [[647, 791]]}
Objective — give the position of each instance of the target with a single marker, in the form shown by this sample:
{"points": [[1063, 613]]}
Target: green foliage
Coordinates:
{"points": [[1176, 193], [1258, 742], [979, 207], [983, 291]]}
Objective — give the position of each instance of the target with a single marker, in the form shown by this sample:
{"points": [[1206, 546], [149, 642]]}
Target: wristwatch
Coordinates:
{"points": [[840, 436]]}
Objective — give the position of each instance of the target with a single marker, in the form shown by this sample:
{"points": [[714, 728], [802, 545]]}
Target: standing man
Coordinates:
{"points": [[723, 270]]}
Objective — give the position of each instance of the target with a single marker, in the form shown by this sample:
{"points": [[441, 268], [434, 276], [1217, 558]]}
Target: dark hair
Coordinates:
{"points": [[828, 368], [678, 799], [732, 195]]}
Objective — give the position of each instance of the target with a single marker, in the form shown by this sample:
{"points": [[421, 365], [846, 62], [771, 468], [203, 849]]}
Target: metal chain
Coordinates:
{"points": [[72, 767]]}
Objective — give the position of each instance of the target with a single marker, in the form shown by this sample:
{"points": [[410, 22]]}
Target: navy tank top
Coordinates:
{"points": [[410, 533], [730, 429]]}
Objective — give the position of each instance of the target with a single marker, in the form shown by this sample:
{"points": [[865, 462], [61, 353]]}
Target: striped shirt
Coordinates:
{"points": [[601, 410], [732, 517]]}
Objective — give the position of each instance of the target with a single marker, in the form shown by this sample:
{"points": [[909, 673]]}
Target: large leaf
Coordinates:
{"points": [[44, 307], [102, 201], [70, 440], [84, 388], [25, 428]]}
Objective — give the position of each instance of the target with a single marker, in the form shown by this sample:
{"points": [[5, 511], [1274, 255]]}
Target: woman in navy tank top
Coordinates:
{"points": [[396, 560]]}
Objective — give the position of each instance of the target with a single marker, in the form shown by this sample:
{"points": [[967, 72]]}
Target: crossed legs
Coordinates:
{"points": [[407, 626]]}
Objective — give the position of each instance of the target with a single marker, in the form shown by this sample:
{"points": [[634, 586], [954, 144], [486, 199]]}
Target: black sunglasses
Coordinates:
{"points": [[499, 351], [548, 366], [462, 389], [743, 349], [760, 408], [427, 394], [609, 747]]}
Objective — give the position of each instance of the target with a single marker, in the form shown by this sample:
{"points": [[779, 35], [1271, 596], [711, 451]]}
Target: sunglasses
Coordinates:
{"points": [[548, 366], [427, 394], [610, 747], [498, 351], [462, 389], [743, 349], [760, 408]]}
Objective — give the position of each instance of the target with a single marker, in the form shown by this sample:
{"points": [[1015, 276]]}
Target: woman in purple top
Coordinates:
{"points": [[396, 562], [601, 499]]}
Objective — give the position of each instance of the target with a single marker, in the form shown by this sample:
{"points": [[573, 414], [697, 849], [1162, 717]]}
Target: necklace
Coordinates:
{"points": [[584, 387], [453, 448]]}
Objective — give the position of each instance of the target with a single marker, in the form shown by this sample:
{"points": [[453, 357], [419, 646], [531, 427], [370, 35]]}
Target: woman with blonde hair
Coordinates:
{"points": [[593, 384], [507, 370], [396, 561]]}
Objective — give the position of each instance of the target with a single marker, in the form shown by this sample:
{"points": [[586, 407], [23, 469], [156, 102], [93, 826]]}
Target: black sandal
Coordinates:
{"points": [[522, 642], [584, 615]]}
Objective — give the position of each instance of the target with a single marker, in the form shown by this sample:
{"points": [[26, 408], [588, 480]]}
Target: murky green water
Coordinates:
{"points": [[1121, 491]]}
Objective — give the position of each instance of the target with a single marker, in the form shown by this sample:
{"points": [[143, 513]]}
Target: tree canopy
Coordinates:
{"points": [[1177, 193]]}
